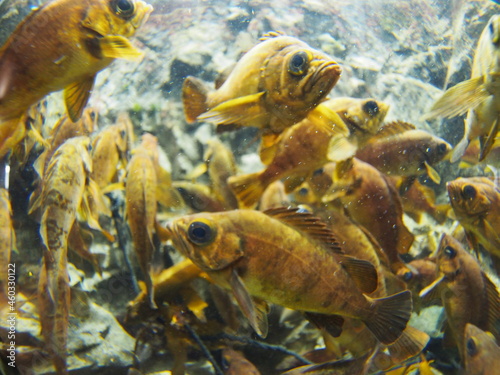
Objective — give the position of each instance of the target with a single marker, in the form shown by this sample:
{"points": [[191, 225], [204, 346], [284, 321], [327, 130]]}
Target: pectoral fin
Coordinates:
{"points": [[116, 47], [76, 96], [339, 148], [330, 323], [246, 110], [362, 272], [257, 317], [459, 99], [432, 173], [329, 120]]}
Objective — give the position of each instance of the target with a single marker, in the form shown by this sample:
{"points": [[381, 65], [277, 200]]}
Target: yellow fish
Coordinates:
{"points": [[288, 258], [274, 85], [399, 149], [300, 150], [63, 45], [7, 235], [467, 293], [476, 204], [480, 95], [141, 204], [62, 194]]}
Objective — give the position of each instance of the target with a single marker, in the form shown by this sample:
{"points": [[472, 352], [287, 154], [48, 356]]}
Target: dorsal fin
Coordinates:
{"points": [[270, 35], [493, 306], [307, 223], [393, 128]]}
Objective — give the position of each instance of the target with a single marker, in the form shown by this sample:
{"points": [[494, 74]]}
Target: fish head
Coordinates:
{"points": [[437, 149], [209, 240], [480, 349], [364, 115], [450, 257], [89, 120], [467, 197], [116, 17], [299, 76]]}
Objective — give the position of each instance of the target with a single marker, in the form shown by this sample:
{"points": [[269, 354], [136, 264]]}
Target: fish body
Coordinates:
{"points": [[371, 200], [141, 204], [63, 45], [480, 95], [235, 363], [273, 86], [476, 204], [467, 294], [7, 235], [258, 255], [482, 355], [220, 166], [109, 148], [62, 194], [63, 130], [300, 150], [401, 150]]}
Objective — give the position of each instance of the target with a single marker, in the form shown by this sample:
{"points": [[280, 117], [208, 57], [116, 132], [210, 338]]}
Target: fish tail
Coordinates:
{"points": [[389, 316], [194, 98], [411, 342], [248, 188]]}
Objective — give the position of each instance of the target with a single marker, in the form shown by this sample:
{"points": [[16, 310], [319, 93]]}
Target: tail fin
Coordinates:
{"points": [[411, 342], [194, 98], [390, 316], [248, 188]]}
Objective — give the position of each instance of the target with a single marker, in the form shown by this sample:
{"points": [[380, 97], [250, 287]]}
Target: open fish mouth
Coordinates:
{"points": [[329, 72], [142, 14]]}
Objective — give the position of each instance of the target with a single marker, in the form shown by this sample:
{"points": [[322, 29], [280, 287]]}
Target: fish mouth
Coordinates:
{"points": [[142, 14], [329, 72]]}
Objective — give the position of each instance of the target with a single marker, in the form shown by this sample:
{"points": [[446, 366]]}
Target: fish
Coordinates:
{"points": [[63, 130], [7, 235], [363, 117], [467, 293], [198, 197], [141, 204], [61, 198], [220, 165], [274, 196], [399, 149], [372, 201], [351, 366], [471, 156], [276, 84], [109, 149], [476, 204], [479, 96], [300, 150], [289, 258], [235, 363], [482, 353], [419, 199], [63, 45]]}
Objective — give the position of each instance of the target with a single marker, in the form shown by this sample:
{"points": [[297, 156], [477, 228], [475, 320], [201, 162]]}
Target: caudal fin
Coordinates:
{"points": [[194, 98], [248, 189], [390, 316]]}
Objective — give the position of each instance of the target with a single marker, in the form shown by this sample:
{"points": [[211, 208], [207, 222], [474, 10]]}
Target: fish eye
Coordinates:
{"points": [[303, 191], [200, 233], [491, 28], [298, 63], [318, 172], [93, 115], [450, 252], [407, 276], [471, 347], [123, 133], [371, 107], [442, 148], [124, 8], [469, 192]]}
